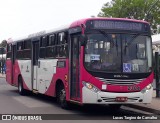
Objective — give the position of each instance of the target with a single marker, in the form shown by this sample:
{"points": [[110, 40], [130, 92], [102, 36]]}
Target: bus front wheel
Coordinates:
{"points": [[61, 97]]}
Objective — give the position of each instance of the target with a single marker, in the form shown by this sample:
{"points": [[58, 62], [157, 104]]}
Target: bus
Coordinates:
{"points": [[90, 61]]}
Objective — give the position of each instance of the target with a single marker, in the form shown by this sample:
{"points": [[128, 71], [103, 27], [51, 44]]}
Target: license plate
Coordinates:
{"points": [[121, 99]]}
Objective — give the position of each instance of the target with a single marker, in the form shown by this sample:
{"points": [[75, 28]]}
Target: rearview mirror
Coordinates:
{"points": [[83, 40]]}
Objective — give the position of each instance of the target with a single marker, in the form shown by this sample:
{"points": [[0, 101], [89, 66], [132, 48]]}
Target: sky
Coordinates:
{"points": [[20, 18]]}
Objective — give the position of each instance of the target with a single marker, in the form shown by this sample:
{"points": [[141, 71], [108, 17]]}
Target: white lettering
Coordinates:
{"points": [[117, 118]]}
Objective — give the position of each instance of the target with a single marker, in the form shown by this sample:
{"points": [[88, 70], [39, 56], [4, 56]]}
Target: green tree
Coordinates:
{"points": [[3, 43], [148, 10]]}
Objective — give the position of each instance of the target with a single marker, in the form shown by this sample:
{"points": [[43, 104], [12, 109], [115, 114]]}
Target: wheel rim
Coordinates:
{"points": [[62, 97]]}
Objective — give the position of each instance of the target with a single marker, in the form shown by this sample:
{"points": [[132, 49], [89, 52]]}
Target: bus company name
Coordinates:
{"points": [[120, 76]]}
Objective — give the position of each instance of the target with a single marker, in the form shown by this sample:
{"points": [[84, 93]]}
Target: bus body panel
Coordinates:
{"points": [[25, 72], [90, 97], [9, 71], [60, 74], [45, 73], [86, 77]]}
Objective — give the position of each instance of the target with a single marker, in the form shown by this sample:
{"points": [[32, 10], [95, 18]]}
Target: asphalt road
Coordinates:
{"points": [[13, 103]]}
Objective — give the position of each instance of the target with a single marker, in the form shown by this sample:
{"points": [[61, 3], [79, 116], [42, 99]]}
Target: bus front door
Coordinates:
{"points": [[35, 57], [75, 68]]}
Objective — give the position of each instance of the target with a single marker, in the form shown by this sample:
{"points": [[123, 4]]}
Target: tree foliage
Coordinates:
{"points": [[3, 43], [148, 10]]}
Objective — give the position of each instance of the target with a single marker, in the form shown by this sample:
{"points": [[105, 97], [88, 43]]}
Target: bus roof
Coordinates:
{"points": [[72, 25], [83, 21], [11, 40]]}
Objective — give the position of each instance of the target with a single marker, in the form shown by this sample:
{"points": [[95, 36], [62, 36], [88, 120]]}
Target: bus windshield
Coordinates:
{"points": [[118, 53]]}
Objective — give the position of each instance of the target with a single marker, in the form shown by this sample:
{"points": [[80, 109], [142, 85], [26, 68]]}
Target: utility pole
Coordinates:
{"points": [[157, 73]]}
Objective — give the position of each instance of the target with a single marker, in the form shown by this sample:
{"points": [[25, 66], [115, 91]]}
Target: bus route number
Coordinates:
{"points": [[133, 88]]}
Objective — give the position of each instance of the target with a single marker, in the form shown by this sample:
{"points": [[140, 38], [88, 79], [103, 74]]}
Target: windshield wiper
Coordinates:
{"points": [[105, 34], [109, 39], [130, 42], [132, 39]]}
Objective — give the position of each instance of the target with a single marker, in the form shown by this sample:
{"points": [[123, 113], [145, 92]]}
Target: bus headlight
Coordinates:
{"points": [[90, 87], [147, 88]]}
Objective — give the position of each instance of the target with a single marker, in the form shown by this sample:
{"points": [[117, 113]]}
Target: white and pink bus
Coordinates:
{"points": [[90, 61]]}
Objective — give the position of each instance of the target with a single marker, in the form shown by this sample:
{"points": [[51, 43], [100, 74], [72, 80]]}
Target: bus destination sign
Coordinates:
{"points": [[121, 25]]}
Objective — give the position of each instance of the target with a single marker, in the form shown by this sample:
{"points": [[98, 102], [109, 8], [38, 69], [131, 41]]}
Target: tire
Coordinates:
{"points": [[21, 90], [61, 98], [115, 106]]}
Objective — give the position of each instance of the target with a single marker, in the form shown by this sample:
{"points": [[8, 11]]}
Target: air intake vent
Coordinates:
{"points": [[121, 82]]}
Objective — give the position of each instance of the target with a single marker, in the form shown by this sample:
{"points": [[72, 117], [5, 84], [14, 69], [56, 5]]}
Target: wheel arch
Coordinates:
{"points": [[18, 79], [58, 85]]}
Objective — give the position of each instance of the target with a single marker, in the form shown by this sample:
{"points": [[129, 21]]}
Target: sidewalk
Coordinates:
{"points": [[2, 75], [154, 107]]}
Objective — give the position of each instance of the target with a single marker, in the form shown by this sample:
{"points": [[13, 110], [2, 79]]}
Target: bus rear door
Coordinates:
{"points": [[35, 56]]}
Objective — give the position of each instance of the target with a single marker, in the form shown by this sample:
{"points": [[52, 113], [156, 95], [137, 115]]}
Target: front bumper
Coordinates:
{"points": [[90, 97]]}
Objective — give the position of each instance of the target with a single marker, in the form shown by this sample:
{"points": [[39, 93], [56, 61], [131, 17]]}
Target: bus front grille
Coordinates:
{"points": [[120, 81]]}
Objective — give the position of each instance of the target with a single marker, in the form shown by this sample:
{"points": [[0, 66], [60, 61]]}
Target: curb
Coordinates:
{"points": [[2, 75], [143, 108]]}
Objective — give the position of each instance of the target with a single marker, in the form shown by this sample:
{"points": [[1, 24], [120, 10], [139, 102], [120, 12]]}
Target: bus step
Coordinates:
{"points": [[35, 91]]}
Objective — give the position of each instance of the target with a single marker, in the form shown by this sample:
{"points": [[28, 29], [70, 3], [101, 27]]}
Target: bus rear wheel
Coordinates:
{"points": [[61, 98], [21, 90]]}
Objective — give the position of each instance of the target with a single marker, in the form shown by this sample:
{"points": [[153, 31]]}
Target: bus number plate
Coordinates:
{"points": [[121, 99]]}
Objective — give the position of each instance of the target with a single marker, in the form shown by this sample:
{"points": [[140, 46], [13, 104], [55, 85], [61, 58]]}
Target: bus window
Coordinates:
{"points": [[62, 48], [19, 54], [51, 40], [27, 44], [62, 38], [27, 49], [9, 47], [43, 41], [20, 45]]}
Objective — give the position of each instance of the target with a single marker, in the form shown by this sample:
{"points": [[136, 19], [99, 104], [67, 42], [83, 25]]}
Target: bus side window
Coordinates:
{"points": [[27, 49], [43, 43], [51, 48], [9, 53], [62, 47], [51, 40], [20, 47], [9, 46], [27, 44]]}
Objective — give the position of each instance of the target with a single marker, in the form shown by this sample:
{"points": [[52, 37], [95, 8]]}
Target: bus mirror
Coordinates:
{"points": [[83, 40]]}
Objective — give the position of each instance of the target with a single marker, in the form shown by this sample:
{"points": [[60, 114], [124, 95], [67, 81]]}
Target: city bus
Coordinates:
{"points": [[90, 61]]}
